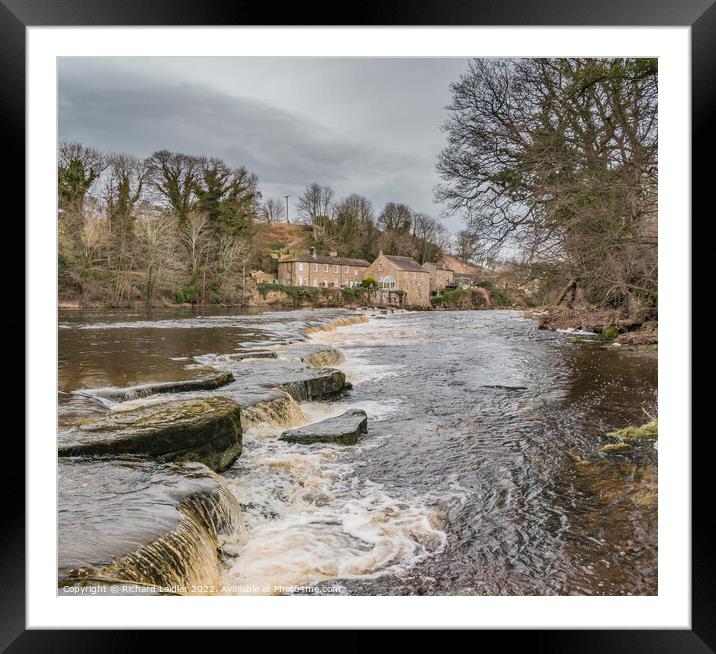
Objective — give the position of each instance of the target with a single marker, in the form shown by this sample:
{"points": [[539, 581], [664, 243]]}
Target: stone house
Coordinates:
{"points": [[323, 271], [440, 277], [402, 274]]}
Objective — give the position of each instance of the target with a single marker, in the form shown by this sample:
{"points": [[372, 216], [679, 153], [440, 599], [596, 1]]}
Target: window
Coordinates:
{"points": [[300, 266], [325, 267], [325, 283], [345, 269], [315, 282], [335, 268], [315, 267], [300, 281], [386, 282]]}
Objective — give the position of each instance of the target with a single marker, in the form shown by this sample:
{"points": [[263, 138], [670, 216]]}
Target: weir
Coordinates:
{"points": [[118, 395], [155, 523], [279, 412], [334, 324]]}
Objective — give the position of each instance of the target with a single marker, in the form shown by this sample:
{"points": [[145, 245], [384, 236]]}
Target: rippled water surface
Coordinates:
{"points": [[480, 472]]}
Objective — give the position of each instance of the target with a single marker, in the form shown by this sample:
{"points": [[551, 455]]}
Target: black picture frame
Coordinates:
{"points": [[700, 15]]}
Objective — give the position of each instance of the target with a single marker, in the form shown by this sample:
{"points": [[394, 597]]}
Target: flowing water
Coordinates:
{"points": [[480, 472]]}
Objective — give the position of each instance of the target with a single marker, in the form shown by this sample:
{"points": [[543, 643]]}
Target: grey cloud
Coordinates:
{"points": [[115, 109]]}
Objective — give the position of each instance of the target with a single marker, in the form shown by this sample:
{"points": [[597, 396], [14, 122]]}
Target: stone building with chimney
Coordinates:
{"points": [[402, 274], [321, 271]]}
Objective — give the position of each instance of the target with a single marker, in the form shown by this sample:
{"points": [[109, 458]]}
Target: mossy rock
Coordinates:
{"points": [[646, 432], [207, 430], [610, 333]]}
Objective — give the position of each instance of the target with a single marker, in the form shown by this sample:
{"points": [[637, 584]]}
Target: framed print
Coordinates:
{"points": [[359, 316]]}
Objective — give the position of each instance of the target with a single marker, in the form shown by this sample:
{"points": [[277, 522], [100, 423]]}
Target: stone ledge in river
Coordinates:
{"points": [[207, 430], [315, 356], [126, 520], [321, 383], [291, 376], [258, 354], [206, 383], [344, 430]]}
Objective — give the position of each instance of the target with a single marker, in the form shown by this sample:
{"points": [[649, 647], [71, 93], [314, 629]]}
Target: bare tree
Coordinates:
{"points": [[157, 236], [273, 210], [395, 217], [94, 238], [429, 236], [467, 247], [557, 158], [315, 206], [195, 238], [232, 255]]}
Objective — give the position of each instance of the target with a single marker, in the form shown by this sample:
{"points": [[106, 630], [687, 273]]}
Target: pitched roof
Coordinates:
{"points": [[429, 265], [405, 263], [340, 261]]}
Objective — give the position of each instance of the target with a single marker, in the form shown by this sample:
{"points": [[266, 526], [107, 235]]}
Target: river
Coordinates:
{"points": [[480, 472]]}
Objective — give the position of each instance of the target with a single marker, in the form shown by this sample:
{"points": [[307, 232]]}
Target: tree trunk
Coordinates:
{"points": [[571, 290]]}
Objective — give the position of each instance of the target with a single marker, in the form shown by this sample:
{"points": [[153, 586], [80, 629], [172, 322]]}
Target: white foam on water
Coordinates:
{"points": [[391, 330], [376, 411], [310, 519], [359, 371]]}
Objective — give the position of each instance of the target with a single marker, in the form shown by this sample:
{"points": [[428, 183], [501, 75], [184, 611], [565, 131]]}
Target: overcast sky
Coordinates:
{"points": [[369, 126]]}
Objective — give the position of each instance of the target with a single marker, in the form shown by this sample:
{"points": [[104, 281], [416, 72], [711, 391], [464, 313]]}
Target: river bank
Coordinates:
{"points": [[609, 325], [463, 483]]}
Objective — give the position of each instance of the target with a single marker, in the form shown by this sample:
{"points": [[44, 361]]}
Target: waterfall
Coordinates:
{"points": [[334, 324], [185, 556], [324, 359], [280, 412]]}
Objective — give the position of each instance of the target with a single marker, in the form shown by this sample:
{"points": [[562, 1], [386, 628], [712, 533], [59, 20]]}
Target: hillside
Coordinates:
{"points": [[275, 235], [461, 268]]}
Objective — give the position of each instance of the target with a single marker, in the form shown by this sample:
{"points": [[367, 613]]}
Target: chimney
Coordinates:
{"points": [[333, 254], [312, 252]]}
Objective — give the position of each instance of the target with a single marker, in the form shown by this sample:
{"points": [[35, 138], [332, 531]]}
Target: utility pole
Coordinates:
{"points": [[287, 197]]}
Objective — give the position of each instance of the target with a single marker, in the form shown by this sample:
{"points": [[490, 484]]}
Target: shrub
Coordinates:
{"points": [[349, 294], [500, 299], [296, 293], [186, 295], [368, 282], [610, 333], [460, 297]]}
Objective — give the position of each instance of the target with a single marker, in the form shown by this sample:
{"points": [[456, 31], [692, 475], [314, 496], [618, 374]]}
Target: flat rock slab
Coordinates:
{"points": [[207, 430], [144, 522], [344, 430], [295, 377], [208, 382]]}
